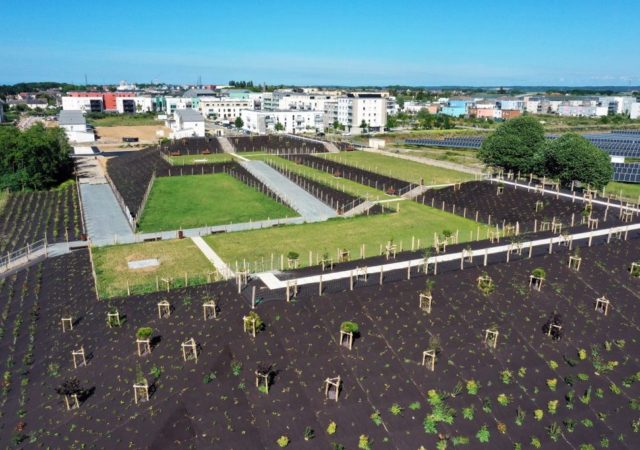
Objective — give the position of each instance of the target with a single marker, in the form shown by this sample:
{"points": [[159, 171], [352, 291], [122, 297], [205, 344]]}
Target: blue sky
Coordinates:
{"points": [[516, 42]]}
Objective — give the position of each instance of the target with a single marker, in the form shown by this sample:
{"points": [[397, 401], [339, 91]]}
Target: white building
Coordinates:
{"points": [[223, 108], [186, 123], [134, 104], [618, 104], [174, 103], [290, 100], [85, 104], [75, 126], [584, 110], [392, 106], [293, 121], [368, 107], [634, 110]]}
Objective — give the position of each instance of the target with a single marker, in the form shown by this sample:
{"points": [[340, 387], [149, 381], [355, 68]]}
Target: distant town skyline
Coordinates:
{"points": [[574, 43]]}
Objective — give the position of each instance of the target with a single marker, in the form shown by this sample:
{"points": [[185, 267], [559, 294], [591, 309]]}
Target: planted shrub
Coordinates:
{"points": [[144, 333], [331, 429], [255, 316], [349, 327], [283, 441], [539, 273], [483, 435], [293, 256]]}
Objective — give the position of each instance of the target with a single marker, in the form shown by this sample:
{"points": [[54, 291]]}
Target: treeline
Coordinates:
{"points": [[37, 158], [13, 89]]}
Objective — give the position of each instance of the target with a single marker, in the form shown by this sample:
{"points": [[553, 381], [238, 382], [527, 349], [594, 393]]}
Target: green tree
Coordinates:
{"points": [[36, 159], [392, 122], [514, 145], [572, 157], [239, 123], [363, 125], [279, 127]]}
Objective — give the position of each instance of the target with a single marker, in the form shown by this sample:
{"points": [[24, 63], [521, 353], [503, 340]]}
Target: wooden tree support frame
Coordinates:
{"points": [[346, 339], [242, 278], [143, 346], [484, 281], [332, 388], [556, 227], [141, 392], [210, 310], [113, 315], [263, 378], [602, 305], [328, 262], [190, 350], [545, 225], [493, 236], [575, 262], [361, 272], [390, 250], [291, 290], [72, 401], [164, 309], [343, 255], [66, 322], [552, 327], [425, 302], [535, 282], [249, 325], [592, 223], [539, 205], [626, 215], [491, 338], [500, 189], [79, 354], [429, 359]]}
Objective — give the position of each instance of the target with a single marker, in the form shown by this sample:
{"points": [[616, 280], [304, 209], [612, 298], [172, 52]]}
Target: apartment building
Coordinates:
{"points": [[75, 127], [132, 105], [355, 108], [292, 121], [225, 109], [83, 103], [187, 123], [303, 101]]}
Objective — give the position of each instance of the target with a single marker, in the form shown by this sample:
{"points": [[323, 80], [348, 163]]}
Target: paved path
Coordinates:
{"points": [[104, 219], [213, 257], [273, 282], [308, 206]]}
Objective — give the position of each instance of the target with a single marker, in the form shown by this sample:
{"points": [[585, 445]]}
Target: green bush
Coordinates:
{"points": [[144, 333], [349, 327]]}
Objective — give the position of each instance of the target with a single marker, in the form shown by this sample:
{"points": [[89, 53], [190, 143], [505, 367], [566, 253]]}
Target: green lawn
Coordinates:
{"points": [[398, 168], [176, 257], [413, 220], [201, 200], [630, 191], [350, 187], [120, 120]]}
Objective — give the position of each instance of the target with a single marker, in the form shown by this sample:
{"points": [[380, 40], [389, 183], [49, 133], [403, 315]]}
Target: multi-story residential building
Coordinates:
{"points": [[224, 108], [292, 121], [456, 108], [133, 105], [108, 98], [634, 111], [83, 103], [584, 110], [356, 108], [303, 101], [392, 106], [171, 104], [617, 104]]}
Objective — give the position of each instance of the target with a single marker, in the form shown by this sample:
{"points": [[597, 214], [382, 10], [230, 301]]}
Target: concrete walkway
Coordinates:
{"points": [[213, 257], [308, 206], [103, 216]]}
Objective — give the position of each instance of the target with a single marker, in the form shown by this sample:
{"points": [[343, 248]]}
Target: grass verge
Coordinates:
{"points": [[177, 258]]}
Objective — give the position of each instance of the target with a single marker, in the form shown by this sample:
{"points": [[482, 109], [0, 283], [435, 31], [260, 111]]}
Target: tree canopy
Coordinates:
{"points": [[239, 123], [37, 158], [514, 144], [572, 157]]}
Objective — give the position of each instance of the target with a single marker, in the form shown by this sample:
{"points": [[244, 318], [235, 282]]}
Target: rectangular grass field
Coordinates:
{"points": [[177, 258], [401, 169], [201, 200], [413, 220]]}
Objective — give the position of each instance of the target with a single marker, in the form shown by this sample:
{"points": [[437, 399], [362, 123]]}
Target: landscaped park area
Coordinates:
{"points": [[206, 200], [496, 314]]}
